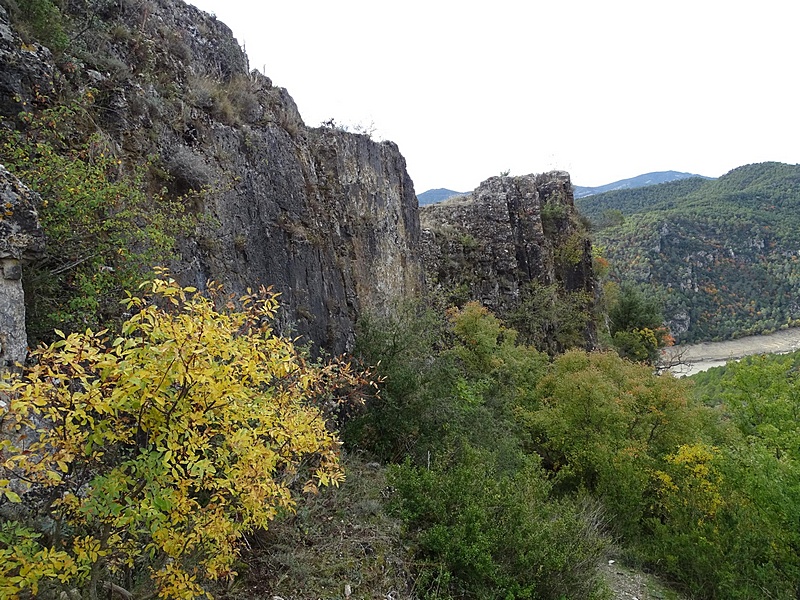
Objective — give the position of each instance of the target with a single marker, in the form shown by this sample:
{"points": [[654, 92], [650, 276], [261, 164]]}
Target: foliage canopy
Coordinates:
{"points": [[169, 443], [103, 229]]}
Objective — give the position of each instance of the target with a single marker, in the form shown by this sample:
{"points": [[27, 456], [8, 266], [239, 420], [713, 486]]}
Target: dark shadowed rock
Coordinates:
{"points": [[28, 75]]}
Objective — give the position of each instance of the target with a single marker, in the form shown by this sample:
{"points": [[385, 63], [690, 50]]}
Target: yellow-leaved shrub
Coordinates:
{"points": [[158, 450]]}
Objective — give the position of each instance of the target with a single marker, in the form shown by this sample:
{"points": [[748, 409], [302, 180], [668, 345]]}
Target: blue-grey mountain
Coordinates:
{"points": [[437, 195], [634, 182]]}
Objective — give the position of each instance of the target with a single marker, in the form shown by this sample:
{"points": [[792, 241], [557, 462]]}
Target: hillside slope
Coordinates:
{"points": [[645, 180], [724, 254]]}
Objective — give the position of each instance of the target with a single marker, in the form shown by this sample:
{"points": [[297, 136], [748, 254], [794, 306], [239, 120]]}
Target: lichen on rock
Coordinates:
{"points": [[21, 240]]}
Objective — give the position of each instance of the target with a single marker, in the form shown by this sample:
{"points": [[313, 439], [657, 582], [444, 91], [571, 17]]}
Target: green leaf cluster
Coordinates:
{"points": [[635, 323], [41, 21], [103, 229]]}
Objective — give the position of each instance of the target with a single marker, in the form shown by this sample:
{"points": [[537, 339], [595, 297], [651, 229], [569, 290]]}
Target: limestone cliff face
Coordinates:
{"points": [[331, 223], [326, 217], [508, 238], [21, 240]]}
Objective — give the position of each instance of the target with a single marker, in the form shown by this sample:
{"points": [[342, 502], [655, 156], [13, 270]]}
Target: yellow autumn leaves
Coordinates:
{"points": [[191, 428]]}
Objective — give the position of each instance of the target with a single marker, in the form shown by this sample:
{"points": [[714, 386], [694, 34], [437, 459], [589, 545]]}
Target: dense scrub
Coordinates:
{"points": [[141, 463], [103, 227], [514, 473]]}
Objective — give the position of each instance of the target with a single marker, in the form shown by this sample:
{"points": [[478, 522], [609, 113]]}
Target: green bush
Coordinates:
{"points": [[400, 421], [42, 22], [502, 447], [602, 424], [485, 532], [102, 228]]}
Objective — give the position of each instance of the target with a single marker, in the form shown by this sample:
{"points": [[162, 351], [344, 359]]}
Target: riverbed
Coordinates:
{"points": [[701, 357]]}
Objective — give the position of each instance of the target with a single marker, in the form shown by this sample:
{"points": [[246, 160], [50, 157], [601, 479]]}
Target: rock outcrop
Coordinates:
{"points": [[21, 240], [28, 70], [325, 217], [330, 222], [329, 219], [507, 239]]}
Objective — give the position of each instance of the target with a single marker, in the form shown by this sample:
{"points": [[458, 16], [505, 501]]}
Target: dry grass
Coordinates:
{"points": [[340, 537]]}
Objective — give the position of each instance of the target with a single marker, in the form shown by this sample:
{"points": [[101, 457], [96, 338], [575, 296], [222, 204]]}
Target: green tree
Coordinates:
{"points": [[601, 423], [636, 325], [103, 229]]}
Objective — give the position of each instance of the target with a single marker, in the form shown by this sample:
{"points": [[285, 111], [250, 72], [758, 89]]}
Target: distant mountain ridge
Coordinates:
{"points": [[441, 194], [437, 195], [635, 182]]}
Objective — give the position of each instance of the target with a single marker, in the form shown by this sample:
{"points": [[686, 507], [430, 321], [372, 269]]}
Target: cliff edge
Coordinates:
{"points": [[516, 244], [327, 218]]}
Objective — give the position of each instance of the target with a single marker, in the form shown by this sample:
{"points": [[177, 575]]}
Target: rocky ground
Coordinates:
{"points": [[631, 584]]}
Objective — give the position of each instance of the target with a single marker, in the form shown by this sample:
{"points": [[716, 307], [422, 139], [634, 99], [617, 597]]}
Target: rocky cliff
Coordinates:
{"points": [[516, 245], [21, 240], [328, 218]]}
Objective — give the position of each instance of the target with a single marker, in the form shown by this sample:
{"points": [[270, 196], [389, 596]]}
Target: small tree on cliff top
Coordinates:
{"points": [[636, 325], [160, 449]]}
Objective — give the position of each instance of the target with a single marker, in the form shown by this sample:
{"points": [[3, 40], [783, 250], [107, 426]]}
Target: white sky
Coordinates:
{"points": [[603, 89]]}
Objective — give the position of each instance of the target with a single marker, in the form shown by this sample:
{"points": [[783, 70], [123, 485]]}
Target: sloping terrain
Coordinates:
{"points": [[645, 180], [724, 254]]}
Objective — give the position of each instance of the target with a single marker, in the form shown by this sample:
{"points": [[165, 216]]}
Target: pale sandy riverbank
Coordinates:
{"points": [[700, 357]]}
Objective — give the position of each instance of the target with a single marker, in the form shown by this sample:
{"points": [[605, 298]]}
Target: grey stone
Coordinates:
{"points": [[27, 75], [508, 232], [21, 239]]}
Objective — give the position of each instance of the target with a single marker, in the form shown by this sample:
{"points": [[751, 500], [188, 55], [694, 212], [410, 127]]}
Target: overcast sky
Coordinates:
{"points": [[603, 89]]}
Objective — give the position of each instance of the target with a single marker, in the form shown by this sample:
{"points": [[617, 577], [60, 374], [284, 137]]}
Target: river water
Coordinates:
{"points": [[701, 357]]}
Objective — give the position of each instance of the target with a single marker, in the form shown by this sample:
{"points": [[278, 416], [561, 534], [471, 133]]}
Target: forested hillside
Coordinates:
{"points": [[722, 254]]}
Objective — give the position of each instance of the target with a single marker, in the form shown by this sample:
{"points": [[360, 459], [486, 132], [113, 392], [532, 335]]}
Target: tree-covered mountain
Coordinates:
{"points": [[723, 254], [648, 179], [437, 195]]}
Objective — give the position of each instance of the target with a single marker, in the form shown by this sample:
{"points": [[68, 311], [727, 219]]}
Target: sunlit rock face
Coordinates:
{"points": [[511, 232], [21, 240]]}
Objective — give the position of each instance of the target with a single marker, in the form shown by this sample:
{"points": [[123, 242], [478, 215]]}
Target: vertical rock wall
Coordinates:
{"points": [[329, 219], [20, 240], [509, 234], [325, 217]]}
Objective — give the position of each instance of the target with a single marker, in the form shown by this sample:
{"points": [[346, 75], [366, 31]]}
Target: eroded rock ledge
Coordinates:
{"points": [[506, 238], [21, 240]]}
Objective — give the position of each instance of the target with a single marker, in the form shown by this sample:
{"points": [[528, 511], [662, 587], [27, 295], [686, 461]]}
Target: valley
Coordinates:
{"points": [[695, 358], [721, 255]]}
